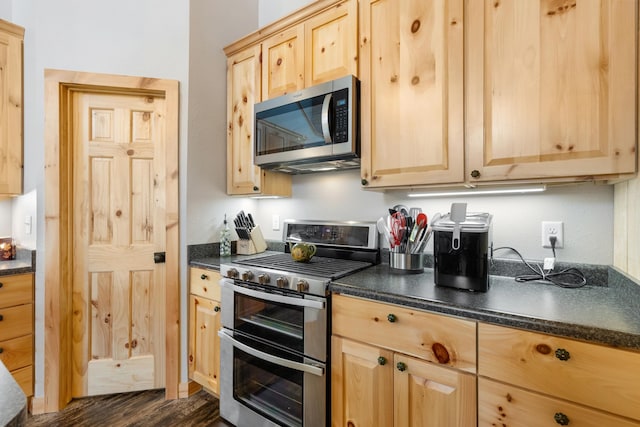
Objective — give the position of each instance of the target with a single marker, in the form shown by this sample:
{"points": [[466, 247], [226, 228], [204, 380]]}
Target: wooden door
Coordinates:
{"points": [[331, 44], [11, 147], [411, 67], [362, 384], [431, 396], [204, 342], [550, 88], [118, 224], [283, 63]]}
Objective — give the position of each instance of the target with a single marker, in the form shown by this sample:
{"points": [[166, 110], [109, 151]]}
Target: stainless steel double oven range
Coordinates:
{"points": [[275, 351]]}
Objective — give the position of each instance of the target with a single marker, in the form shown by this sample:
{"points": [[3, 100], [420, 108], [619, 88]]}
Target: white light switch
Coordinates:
{"points": [[27, 224], [275, 222]]}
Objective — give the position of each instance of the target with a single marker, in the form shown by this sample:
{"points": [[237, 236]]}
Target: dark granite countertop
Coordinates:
{"points": [[24, 263], [13, 403], [606, 313]]}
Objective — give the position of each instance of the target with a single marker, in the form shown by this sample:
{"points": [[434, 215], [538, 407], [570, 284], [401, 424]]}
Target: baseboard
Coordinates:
{"points": [[187, 389], [37, 406]]}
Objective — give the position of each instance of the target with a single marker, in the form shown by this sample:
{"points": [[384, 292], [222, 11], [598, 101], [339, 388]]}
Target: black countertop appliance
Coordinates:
{"points": [[461, 243]]}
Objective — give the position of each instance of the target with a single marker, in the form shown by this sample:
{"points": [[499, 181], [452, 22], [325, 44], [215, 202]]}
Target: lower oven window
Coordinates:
{"points": [[274, 391], [272, 321]]}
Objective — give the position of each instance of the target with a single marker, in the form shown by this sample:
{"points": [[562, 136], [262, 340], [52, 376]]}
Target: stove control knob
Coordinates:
{"points": [[302, 286], [232, 273], [282, 282], [264, 278], [247, 275]]}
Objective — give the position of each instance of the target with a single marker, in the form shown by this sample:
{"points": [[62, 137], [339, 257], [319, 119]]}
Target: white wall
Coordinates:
{"points": [[5, 218], [586, 210], [272, 10]]}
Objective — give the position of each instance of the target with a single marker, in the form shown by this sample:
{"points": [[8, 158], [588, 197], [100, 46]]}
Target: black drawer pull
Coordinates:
{"points": [[1, 318], [204, 277], [561, 419], [563, 354], [1, 284]]}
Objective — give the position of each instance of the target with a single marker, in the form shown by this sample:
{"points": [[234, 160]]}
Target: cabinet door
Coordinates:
{"points": [[411, 67], [431, 396], [204, 343], [283, 62], [243, 91], [331, 44], [500, 403], [361, 384], [550, 88], [11, 148]]}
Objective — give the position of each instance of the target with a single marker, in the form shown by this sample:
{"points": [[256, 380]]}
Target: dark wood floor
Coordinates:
{"points": [[139, 409]]}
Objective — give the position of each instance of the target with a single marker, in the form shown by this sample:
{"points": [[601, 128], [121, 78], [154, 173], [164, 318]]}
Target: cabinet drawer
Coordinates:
{"points": [[436, 338], [16, 290], [17, 353], [205, 283], [16, 321], [594, 375], [502, 404], [24, 378]]}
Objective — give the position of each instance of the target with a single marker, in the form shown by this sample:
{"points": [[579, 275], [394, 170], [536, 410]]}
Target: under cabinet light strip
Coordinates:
{"points": [[483, 191]]}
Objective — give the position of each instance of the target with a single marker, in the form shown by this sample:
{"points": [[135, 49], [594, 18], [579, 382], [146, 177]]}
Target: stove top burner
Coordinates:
{"points": [[330, 268]]}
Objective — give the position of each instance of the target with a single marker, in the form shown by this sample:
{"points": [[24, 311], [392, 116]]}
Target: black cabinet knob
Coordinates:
{"points": [[475, 173], [256, 188], [216, 308], [1, 318], [391, 317], [1, 284], [561, 419], [382, 360], [364, 182], [563, 354], [401, 366], [204, 277]]}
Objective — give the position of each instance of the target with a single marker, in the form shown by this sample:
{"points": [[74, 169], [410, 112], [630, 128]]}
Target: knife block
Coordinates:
{"points": [[255, 245]]}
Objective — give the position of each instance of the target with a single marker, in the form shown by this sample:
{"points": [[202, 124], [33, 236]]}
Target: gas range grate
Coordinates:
{"points": [[331, 268]]}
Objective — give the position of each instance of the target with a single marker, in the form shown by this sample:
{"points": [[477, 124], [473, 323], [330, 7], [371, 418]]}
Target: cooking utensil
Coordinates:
{"points": [[381, 224], [421, 222], [398, 228]]}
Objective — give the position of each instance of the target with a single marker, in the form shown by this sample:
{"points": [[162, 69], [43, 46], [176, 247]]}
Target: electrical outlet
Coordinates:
{"points": [[275, 222], [552, 228]]}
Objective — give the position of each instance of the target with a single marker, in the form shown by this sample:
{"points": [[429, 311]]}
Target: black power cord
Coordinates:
{"points": [[566, 278]]}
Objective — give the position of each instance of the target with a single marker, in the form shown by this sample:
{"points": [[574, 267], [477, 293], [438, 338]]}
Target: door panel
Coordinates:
{"points": [[118, 224]]}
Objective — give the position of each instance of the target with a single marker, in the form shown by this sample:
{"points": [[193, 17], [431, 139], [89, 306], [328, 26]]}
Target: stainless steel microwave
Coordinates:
{"points": [[312, 130]]}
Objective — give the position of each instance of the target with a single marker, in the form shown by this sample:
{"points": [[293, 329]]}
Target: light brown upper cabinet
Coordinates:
{"points": [[411, 70], [315, 44], [243, 90], [320, 48], [11, 143], [550, 89]]}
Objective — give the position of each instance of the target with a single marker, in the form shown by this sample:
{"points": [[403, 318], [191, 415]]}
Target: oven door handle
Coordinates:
{"points": [[300, 302], [315, 370]]}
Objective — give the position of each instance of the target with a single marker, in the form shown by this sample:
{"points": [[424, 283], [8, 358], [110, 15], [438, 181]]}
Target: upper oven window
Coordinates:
{"points": [[279, 323]]}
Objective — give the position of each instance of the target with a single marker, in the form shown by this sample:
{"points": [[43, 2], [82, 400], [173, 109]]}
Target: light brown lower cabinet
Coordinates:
{"points": [[16, 328], [374, 384], [503, 404], [532, 379], [204, 323]]}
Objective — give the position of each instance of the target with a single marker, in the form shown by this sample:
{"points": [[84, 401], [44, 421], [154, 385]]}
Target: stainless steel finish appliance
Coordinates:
{"points": [[461, 251], [276, 324], [312, 130]]}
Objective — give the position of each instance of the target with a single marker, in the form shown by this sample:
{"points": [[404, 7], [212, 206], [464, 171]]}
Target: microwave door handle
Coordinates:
{"points": [[326, 126], [315, 370], [300, 302]]}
